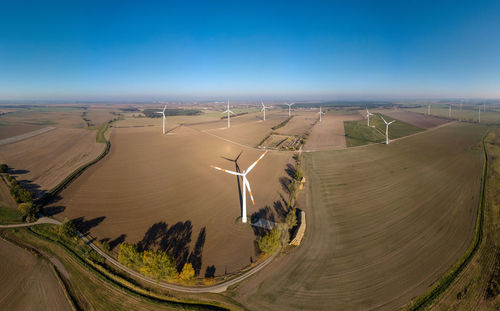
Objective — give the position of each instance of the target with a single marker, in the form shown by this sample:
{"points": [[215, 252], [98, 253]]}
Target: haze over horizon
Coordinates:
{"points": [[285, 50]]}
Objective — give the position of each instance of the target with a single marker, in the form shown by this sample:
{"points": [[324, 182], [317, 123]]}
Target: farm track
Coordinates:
{"points": [[17, 138]]}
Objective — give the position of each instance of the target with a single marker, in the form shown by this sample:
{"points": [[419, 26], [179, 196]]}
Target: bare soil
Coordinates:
{"points": [[28, 283], [329, 134], [161, 190]]}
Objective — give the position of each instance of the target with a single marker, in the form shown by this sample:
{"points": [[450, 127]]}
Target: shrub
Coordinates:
{"points": [[67, 229], [129, 255], [105, 246], [291, 218], [3, 168], [269, 243], [29, 211], [208, 281]]}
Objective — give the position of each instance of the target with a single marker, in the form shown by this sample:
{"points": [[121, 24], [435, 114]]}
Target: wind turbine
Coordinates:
{"points": [[387, 130], [429, 109], [289, 109], [264, 109], [449, 112], [246, 185], [163, 113], [320, 113], [368, 114], [479, 115], [228, 115]]}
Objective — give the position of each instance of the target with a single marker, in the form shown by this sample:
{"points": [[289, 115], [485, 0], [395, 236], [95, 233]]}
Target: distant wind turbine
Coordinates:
{"points": [[163, 113], [228, 115], [264, 109], [368, 114], [429, 109], [449, 112], [289, 109], [246, 185], [320, 113], [479, 115], [387, 130]]}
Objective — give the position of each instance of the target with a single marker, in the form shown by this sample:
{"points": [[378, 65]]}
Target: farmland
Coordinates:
{"points": [[417, 119], [467, 113], [28, 282], [369, 210], [329, 134], [152, 185]]}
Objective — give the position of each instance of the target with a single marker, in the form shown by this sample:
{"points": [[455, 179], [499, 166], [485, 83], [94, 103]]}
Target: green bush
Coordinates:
{"points": [[105, 246], [269, 243], [67, 229], [3, 168], [29, 211], [129, 255]]}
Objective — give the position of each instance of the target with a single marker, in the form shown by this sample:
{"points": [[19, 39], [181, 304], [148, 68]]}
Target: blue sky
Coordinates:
{"points": [[146, 50]]}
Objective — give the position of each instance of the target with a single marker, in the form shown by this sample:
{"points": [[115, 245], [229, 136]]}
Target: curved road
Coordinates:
{"points": [[217, 288]]}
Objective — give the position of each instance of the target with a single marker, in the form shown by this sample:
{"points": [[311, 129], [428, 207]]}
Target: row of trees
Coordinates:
{"points": [[152, 113], [22, 196], [154, 263]]}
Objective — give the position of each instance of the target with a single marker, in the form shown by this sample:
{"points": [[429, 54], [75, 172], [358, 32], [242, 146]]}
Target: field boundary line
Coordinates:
{"points": [[24, 136], [447, 279]]}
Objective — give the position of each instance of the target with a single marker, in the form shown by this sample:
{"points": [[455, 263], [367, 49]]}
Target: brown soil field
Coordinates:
{"points": [[299, 124], [6, 199], [417, 119], [161, 190], [11, 130], [41, 162], [71, 118], [329, 134], [28, 283], [383, 223], [98, 117]]}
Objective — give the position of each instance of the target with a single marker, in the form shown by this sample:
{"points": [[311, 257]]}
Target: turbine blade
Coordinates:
{"points": [[227, 171], [245, 180], [384, 119], [392, 121], [255, 163], [164, 108]]}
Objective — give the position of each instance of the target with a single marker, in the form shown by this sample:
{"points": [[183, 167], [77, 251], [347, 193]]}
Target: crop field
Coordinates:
{"points": [[45, 116], [299, 124], [358, 133], [28, 282], [160, 190], [468, 113], [383, 223], [329, 134], [41, 162], [419, 120]]}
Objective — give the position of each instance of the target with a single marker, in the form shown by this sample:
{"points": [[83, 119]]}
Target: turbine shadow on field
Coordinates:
{"points": [[237, 169], [84, 226], [175, 242]]}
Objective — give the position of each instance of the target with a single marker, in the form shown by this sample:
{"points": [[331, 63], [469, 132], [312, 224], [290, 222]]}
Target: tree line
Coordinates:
{"points": [[23, 197]]}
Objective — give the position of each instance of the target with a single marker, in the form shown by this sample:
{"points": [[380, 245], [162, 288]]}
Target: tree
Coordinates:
{"points": [[29, 211], [187, 272], [105, 246], [269, 243], [291, 218], [129, 255], [158, 264], [67, 229], [4, 168]]}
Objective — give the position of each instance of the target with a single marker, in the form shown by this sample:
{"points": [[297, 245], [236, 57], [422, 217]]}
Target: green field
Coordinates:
{"points": [[358, 133], [383, 223], [10, 216]]}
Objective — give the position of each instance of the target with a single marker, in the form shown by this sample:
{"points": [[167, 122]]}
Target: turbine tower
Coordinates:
{"points": [[228, 115], [246, 185], [320, 113], [368, 114], [289, 109], [429, 109], [449, 112], [479, 115], [163, 113], [264, 109], [387, 130]]}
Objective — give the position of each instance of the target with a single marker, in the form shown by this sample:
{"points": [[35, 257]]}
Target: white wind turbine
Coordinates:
{"points": [[290, 109], [429, 109], [368, 114], [449, 112], [228, 115], [320, 113], [163, 113], [264, 109], [387, 130], [479, 115], [246, 185]]}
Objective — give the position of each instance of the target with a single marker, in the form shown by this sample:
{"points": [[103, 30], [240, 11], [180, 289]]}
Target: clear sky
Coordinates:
{"points": [[102, 50]]}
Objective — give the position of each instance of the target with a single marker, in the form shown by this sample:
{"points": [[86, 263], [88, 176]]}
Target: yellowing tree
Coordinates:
{"points": [[187, 272], [157, 264], [129, 255]]}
